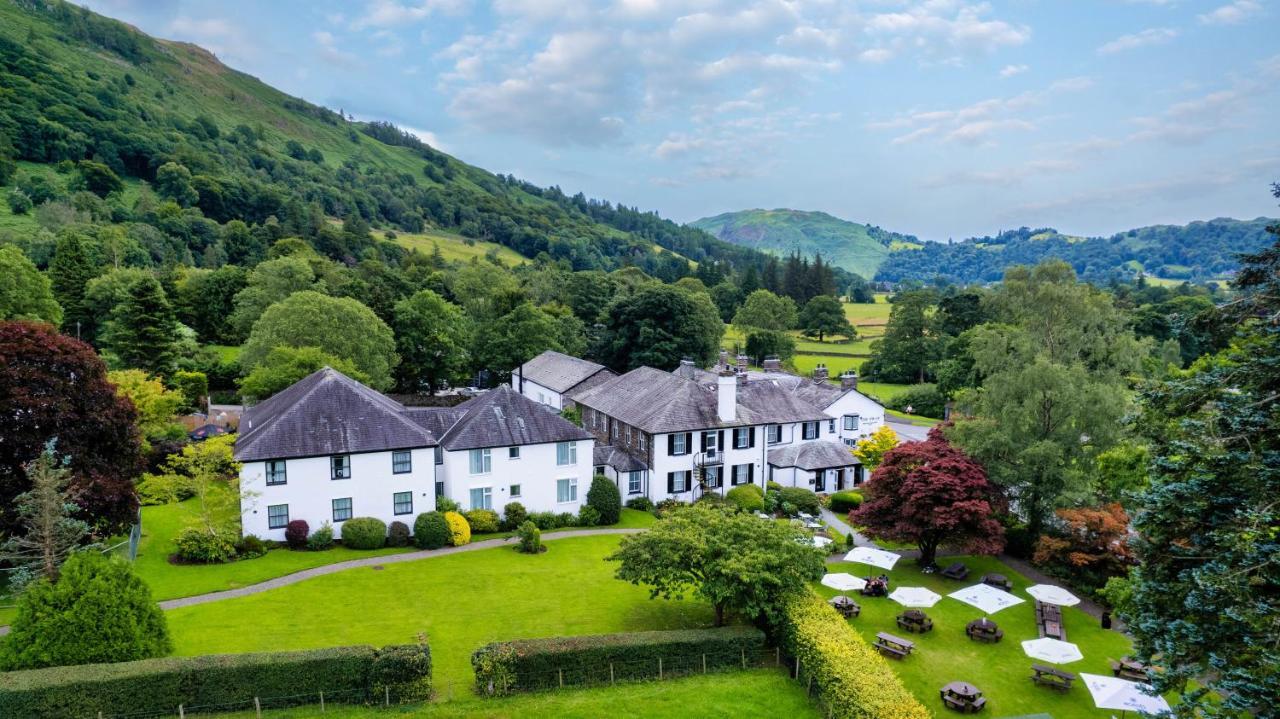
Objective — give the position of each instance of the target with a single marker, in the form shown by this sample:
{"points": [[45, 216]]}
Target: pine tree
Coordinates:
{"points": [[45, 512], [69, 271], [142, 331]]}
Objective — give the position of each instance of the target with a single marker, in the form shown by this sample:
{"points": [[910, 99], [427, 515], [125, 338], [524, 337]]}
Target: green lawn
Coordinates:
{"points": [[461, 601], [869, 312], [226, 353], [1000, 670], [162, 523], [456, 248], [757, 693]]}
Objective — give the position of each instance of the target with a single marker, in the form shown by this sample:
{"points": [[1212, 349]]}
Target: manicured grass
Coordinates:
{"points": [[455, 248], [869, 312], [161, 524], [460, 601], [227, 353], [1000, 670], [756, 693]]}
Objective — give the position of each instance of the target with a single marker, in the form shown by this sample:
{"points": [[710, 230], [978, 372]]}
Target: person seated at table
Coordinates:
{"points": [[884, 580]]}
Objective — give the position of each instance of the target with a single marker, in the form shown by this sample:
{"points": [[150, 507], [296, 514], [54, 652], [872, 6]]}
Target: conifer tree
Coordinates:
{"points": [[69, 272], [142, 331]]}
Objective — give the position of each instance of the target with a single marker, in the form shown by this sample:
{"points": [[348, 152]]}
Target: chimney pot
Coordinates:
{"points": [[820, 373], [771, 364], [743, 360], [727, 396], [849, 380]]}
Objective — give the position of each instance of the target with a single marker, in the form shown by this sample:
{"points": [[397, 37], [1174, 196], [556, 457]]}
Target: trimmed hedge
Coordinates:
{"points": [[529, 665], [482, 521], [845, 502], [157, 686], [853, 681], [747, 497], [606, 499], [430, 530], [364, 533]]}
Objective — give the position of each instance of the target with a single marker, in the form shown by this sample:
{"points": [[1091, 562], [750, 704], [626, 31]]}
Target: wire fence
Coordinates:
{"points": [[255, 706], [658, 668]]}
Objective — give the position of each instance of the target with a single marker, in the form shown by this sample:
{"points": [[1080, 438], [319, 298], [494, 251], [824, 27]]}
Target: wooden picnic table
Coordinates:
{"points": [[963, 697], [893, 646], [914, 620], [984, 630], [1128, 668], [845, 605], [1051, 677], [997, 580]]}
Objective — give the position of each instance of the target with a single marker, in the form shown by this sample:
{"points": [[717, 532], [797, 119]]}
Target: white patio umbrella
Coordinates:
{"points": [[1122, 694], [915, 597], [844, 582], [1052, 650], [820, 542], [986, 598], [874, 557], [1049, 594]]}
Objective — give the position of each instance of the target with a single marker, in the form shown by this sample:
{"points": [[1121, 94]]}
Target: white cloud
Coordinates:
{"points": [[1231, 13], [1011, 70], [1150, 36], [1004, 176], [943, 27], [390, 13], [330, 52], [219, 36]]}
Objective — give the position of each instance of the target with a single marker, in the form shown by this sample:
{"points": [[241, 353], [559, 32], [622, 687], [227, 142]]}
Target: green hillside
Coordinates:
{"points": [[856, 247], [76, 87]]}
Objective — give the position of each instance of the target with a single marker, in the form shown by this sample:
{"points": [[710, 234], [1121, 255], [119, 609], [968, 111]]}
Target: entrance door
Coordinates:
{"points": [[820, 480]]}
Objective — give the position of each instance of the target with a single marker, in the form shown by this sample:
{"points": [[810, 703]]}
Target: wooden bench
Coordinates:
{"points": [[979, 635], [891, 651], [956, 571], [1053, 678], [1129, 670], [998, 581], [892, 646]]}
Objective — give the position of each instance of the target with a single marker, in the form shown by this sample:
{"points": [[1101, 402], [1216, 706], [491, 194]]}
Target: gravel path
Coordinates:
{"points": [[306, 574]]}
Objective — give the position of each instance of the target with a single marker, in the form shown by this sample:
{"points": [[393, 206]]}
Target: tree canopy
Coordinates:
{"points": [[763, 310], [824, 315], [433, 337], [659, 325], [25, 294]]}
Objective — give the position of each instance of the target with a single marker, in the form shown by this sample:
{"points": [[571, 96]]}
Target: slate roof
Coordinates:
{"points": [[559, 372], [324, 413], [819, 394], [605, 454], [813, 455], [658, 402], [502, 417]]}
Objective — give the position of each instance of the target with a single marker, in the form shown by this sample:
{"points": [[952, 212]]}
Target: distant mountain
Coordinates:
{"points": [[1197, 251], [854, 246]]}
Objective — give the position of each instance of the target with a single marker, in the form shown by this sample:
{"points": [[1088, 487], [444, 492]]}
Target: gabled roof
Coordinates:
{"points": [[503, 417], [821, 394], [559, 372], [659, 402], [326, 412], [604, 454], [813, 456]]}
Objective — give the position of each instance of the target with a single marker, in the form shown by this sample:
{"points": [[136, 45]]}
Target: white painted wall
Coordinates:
{"points": [[870, 416], [535, 471], [664, 463], [309, 491], [538, 393]]}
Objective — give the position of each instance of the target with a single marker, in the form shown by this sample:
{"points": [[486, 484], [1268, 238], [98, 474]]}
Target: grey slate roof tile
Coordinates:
{"points": [[605, 454], [813, 455], [559, 372], [503, 417]]}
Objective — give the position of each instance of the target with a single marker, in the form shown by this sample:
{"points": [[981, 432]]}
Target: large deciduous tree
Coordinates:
{"points": [[53, 386], [268, 283], [1204, 600], [339, 326], [871, 450], [1056, 367], [433, 336], [734, 560], [763, 310], [156, 404], [285, 365], [909, 343], [824, 315], [931, 493], [25, 293], [658, 325], [1088, 546]]}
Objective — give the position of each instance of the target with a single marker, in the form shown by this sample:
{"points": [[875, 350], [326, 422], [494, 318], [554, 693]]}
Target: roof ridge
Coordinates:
{"points": [[272, 421]]}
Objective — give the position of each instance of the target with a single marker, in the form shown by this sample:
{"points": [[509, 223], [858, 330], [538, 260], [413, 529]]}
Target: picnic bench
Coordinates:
{"points": [[892, 646], [956, 571], [846, 606], [984, 630], [1051, 677], [1130, 669], [1049, 621], [962, 697], [916, 621], [998, 581]]}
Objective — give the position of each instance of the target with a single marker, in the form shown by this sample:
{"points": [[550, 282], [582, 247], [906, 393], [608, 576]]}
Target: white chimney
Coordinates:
{"points": [[727, 396]]}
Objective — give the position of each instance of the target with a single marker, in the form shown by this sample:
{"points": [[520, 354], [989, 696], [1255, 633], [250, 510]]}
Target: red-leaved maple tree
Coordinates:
{"points": [[55, 387], [930, 493]]}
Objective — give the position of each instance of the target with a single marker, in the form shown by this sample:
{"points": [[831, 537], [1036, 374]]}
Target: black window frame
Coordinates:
{"points": [[769, 434], [270, 525], [333, 466], [396, 503], [805, 427], [408, 461], [513, 452], [515, 491], [333, 508], [284, 472]]}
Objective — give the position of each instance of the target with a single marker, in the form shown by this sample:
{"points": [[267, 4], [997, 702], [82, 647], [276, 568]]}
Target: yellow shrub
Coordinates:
{"points": [[459, 530], [853, 680]]}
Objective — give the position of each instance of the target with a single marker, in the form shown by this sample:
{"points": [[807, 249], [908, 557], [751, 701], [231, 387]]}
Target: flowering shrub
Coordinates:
{"points": [[482, 521], [459, 530]]}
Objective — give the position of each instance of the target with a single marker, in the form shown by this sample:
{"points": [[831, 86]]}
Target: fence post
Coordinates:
{"points": [[387, 694], [659, 667], [560, 673], [744, 657], [257, 707], [322, 702], [181, 714], [777, 656], [704, 663], [797, 676], [610, 672]]}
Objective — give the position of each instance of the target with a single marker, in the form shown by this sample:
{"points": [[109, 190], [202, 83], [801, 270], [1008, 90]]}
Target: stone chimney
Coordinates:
{"points": [[820, 373], [742, 379], [849, 380], [724, 359], [743, 361], [771, 364], [686, 362], [727, 396]]}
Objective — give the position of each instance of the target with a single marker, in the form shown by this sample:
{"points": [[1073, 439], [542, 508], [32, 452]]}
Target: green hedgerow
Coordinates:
{"points": [[205, 546], [321, 539], [364, 533], [97, 611], [747, 497], [513, 515], [430, 530], [588, 516], [640, 504], [482, 521], [845, 502], [398, 534], [605, 498]]}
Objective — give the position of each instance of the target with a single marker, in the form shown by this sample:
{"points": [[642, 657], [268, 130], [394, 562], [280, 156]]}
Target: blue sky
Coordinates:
{"points": [[941, 118]]}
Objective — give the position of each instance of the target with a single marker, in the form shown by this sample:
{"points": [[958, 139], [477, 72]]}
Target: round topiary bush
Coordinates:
{"points": [[364, 533], [482, 521], [398, 534], [513, 515], [296, 533], [530, 538], [845, 502], [459, 530], [747, 497], [605, 498], [800, 500], [430, 530]]}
